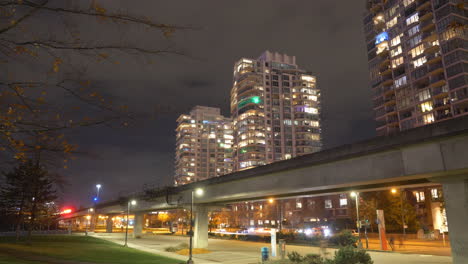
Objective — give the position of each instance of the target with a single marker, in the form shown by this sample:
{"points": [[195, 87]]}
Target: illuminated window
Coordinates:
{"points": [[298, 205], [415, 41], [392, 22], [419, 62], [407, 2], [328, 204], [260, 222], [435, 193], [396, 40], [429, 118], [413, 30], [412, 19], [417, 51], [396, 62], [396, 51], [311, 110], [400, 81], [426, 106], [343, 202], [423, 95]]}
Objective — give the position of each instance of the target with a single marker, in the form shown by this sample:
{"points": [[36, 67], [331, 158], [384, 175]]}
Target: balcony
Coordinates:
{"points": [[425, 15], [429, 36], [439, 92], [391, 110], [423, 5], [441, 104], [436, 81], [436, 69], [427, 25], [387, 81], [433, 58], [442, 116], [390, 101], [386, 71]]}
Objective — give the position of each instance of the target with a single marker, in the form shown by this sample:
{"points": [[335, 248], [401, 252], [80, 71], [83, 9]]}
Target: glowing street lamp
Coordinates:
{"points": [[131, 202], [197, 192], [98, 187]]}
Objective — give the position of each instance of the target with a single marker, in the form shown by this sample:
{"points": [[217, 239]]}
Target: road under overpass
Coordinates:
{"points": [[436, 153]]}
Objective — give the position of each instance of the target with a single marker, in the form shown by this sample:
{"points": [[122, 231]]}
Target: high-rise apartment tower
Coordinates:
{"points": [[417, 52], [203, 145], [275, 110]]}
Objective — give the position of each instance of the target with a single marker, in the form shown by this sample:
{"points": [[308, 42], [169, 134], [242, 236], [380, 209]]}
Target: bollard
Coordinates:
{"points": [[282, 248], [265, 253]]}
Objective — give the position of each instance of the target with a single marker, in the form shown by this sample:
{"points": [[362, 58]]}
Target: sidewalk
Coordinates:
{"points": [[241, 252]]}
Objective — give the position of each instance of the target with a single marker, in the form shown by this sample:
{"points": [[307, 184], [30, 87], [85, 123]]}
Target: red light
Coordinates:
{"points": [[66, 211]]}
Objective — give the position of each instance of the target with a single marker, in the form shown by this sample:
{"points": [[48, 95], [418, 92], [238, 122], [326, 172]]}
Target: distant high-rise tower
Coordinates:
{"points": [[203, 146], [275, 110], [417, 52]]}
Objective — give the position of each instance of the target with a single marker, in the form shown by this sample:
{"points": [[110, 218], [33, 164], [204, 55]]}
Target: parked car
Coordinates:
{"points": [[173, 228], [242, 231]]}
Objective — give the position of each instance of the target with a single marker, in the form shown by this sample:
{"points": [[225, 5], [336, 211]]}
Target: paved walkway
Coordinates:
{"points": [[241, 252]]}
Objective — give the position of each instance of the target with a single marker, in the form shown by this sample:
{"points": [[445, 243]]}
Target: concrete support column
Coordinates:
{"points": [[138, 224], [200, 228], [456, 205], [109, 224]]}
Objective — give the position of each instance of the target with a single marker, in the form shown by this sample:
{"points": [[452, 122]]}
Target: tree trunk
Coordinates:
{"points": [[33, 215], [18, 219]]}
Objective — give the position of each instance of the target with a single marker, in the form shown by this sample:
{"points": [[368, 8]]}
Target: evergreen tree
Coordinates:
{"points": [[27, 190]]}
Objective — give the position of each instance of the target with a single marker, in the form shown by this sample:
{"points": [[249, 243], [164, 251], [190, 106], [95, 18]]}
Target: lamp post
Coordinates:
{"points": [[279, 213], [358, 224], [132, 202], [198, 192], [393, 191]]}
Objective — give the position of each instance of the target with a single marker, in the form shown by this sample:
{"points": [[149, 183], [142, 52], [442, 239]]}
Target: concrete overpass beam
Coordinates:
{"points": [[456, 205], [109, 224], [138, 222], [200, 235]]}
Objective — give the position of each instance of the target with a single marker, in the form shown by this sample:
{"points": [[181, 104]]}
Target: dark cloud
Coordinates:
{"points": [[325, 36]]}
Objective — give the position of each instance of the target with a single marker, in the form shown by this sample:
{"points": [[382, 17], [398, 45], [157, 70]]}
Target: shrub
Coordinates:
{"points": [[351, 255], [295, 257], [344, 239], [313, 259], [177, 248]]}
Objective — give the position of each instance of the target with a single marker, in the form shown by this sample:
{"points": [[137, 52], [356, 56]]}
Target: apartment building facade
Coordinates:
{"points": [[204, 143], [275, 107], [417, 53]]}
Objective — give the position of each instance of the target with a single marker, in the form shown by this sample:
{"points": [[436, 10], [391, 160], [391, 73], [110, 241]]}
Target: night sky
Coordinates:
{"points": [[325, 36]]}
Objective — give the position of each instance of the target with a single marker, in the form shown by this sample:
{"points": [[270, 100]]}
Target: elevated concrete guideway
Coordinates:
{"points": [[435, 153]]}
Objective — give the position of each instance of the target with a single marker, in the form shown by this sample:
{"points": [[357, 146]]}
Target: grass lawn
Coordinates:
{"points": [[73, 249]]}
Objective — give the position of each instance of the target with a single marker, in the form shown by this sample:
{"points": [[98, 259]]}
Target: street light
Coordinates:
{"points": [[394, 191], [198, 192], [132, 202], [358, 224]]}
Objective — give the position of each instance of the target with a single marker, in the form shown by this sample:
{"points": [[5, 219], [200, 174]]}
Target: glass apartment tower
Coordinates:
{"points": [[275, 110], [203, 145], [417, 52]]}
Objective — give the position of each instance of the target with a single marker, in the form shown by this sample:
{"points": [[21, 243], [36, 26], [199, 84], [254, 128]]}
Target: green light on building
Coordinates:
{"points": [[243, 151], [253, 99]]}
